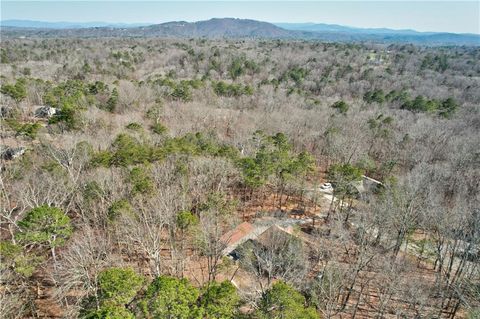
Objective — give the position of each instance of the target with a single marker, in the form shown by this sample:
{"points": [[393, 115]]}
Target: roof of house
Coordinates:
{"points": [[275, 233], [237, 234]]}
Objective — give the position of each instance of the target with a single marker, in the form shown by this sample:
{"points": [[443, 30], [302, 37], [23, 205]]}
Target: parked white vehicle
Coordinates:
{"points": [[326, 186]]}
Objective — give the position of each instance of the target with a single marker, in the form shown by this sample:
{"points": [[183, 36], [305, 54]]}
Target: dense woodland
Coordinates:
{"points": [[118, 204]]}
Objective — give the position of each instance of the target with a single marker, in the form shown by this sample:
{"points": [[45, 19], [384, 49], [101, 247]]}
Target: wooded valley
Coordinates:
{"points": [[229, 178]]}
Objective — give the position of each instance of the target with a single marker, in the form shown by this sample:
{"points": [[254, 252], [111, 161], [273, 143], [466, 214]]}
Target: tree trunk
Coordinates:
{"points": [[358, 302]]}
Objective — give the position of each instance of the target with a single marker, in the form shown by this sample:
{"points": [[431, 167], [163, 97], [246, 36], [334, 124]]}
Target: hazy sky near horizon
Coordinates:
{"points": [[445, 16]]}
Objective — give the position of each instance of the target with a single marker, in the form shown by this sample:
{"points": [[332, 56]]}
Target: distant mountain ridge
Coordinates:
{"points": [[227, 27], [324, 27], [234, 28]]}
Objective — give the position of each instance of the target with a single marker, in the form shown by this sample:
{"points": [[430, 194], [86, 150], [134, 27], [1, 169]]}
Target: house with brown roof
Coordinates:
{"points": [[236, 236]]}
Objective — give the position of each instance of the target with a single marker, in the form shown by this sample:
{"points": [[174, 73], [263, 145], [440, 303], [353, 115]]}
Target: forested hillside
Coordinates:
{"points": [[195, 178]]}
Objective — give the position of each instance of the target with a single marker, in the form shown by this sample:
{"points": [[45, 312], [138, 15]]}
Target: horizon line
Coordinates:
{"points": [[139, 24]]}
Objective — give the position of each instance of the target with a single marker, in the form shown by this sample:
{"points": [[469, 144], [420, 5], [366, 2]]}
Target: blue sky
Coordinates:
{"points": [[450, 16]]}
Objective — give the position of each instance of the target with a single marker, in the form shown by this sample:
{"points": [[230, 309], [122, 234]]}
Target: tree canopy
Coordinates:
{"points": [[45, 226], [284, 302], [169, 297]]}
